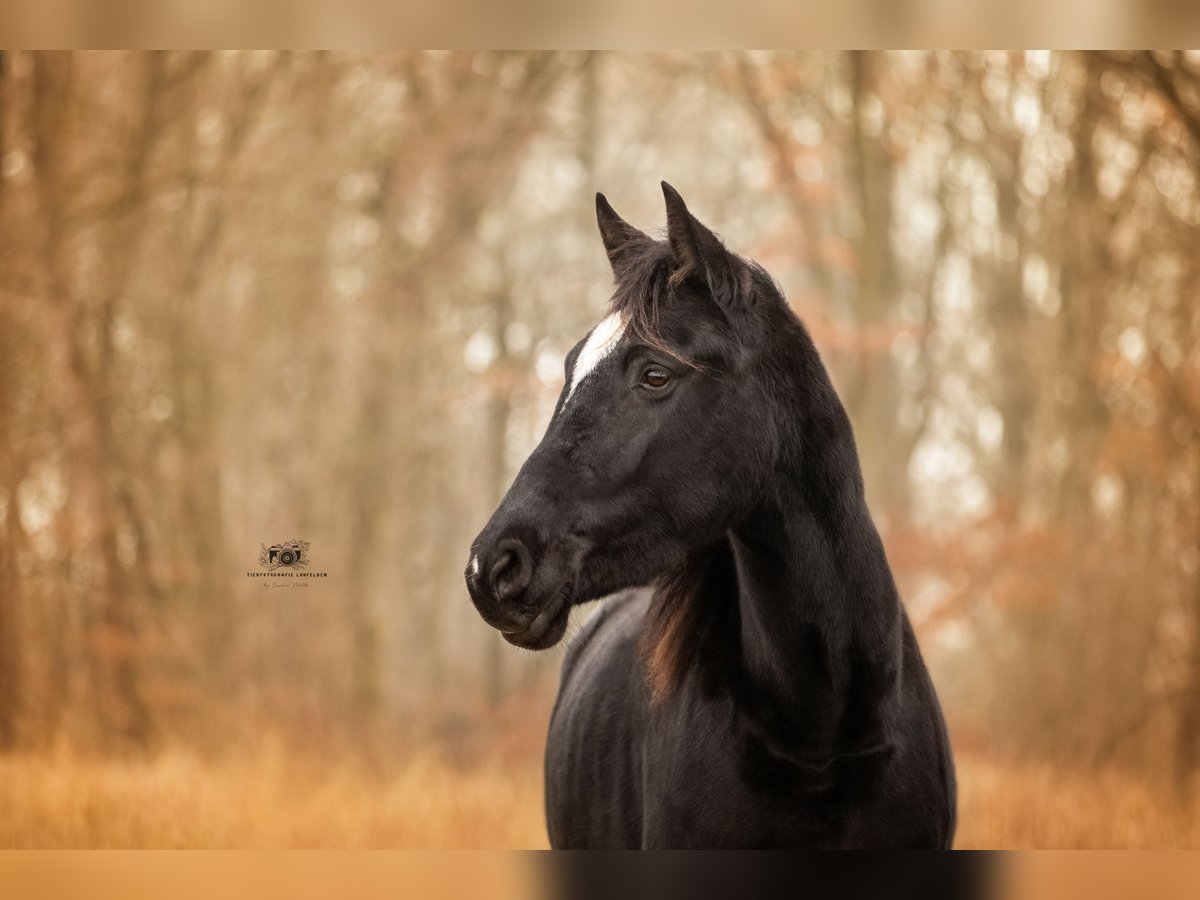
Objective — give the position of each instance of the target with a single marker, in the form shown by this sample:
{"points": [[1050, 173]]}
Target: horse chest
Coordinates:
{"points": [[708, 781]]}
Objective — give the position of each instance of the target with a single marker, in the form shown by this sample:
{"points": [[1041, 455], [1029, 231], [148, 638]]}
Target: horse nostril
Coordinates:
{"points": [[510, 571], [506, 561]]}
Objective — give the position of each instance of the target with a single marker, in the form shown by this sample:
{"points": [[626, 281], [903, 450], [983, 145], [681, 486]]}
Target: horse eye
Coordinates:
{"points": [[655, 377]]}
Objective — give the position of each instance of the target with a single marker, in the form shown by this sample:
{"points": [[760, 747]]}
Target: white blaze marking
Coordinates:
{"points": [[600, 343], [474, 565]]}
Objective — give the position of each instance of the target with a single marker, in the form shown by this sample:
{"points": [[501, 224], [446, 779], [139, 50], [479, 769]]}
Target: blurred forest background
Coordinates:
{"points": [[248, 297]]}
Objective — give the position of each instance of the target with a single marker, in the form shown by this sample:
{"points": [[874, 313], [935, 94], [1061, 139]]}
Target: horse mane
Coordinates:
{"points": [[667, 646], [692, 619]]}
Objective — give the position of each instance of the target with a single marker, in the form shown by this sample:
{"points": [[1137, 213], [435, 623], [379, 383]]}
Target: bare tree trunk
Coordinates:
{"points": [[1016, 396], [120, 708], [874, 393], [11, 626], [1182, 417], [10, 600], [781, 146], [10, 581], [1187, 741]]}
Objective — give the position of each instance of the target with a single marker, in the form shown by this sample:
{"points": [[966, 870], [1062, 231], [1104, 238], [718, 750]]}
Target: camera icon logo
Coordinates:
{"points": [[284, 555]]}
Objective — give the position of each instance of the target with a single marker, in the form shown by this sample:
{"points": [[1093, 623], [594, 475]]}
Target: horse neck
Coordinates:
{"points": [[819, 616]]}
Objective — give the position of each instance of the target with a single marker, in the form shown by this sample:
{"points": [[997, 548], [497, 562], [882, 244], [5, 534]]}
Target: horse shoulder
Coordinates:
{"points": [[593, 750]]}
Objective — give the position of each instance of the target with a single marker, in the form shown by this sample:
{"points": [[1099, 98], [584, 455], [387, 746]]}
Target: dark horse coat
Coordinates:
{"points": [[765, 689]]}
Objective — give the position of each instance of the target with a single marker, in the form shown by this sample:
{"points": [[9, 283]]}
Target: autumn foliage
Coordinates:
{"points": [[248, 298]]}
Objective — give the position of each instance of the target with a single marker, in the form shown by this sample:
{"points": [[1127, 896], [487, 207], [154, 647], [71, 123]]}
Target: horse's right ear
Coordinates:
{"points": [[700, 254], [621, 240]]}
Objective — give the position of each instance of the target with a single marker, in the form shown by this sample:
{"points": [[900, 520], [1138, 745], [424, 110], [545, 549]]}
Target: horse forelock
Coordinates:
{"points": [[642, 281], [645, 278]]}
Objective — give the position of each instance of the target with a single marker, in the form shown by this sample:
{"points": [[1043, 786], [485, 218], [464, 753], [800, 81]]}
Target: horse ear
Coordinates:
{"points": [[698, 252], [620, 238]]}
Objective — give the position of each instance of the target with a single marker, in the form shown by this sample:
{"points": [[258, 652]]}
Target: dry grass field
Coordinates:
{"points": [[271, 800], [1031, 806], [275, 799]]}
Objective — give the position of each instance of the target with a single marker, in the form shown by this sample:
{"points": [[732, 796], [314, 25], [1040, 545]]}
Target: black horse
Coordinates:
{"points": [[765, 689]]}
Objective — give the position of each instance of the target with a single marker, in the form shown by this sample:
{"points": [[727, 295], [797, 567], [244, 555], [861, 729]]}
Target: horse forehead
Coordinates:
{"points": [[602, 340]]}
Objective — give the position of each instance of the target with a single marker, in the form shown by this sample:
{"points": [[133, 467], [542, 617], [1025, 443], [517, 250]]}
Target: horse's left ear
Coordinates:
{"points": [[699, 253]]}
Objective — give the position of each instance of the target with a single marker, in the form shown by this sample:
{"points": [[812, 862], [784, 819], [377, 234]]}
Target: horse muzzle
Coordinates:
{"points": [[527, 603]]}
